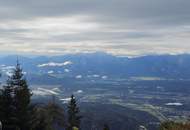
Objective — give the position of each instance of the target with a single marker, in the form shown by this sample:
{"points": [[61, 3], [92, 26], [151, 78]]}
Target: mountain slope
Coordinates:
{"points": [[165, 66]]}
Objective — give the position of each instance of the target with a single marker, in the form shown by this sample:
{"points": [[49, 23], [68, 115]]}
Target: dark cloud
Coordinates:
{"points": [[111, 26], [120, 11]]}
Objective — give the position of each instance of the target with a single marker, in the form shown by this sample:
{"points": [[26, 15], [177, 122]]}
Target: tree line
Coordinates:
{"points": [[18, 113], [171, 125]]}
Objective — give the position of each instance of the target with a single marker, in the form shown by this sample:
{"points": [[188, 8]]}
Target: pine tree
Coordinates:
{"points": [[22, 97], [7, 108], [49, 117], [15, 102], [73, 114], [7, 105]]}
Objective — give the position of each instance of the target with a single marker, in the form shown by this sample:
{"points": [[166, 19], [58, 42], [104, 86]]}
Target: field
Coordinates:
{"points": [[159, 99]]}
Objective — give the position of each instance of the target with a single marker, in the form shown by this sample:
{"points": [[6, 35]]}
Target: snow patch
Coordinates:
{"points": [[79, 91], [56, 89], [96, 75], [54, 64], [44, 92], [66, 70], [9, 73], [65, 100], [50, 72], [67, 63], [104, 77], [174, 104], [7, 67], [78, 77]]}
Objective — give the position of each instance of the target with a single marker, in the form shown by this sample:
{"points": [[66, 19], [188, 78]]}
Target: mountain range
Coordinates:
{"points": [[101, 65]]}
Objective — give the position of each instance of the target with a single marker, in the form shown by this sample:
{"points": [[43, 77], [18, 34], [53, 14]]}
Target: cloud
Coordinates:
{"points": [[122, 27]]}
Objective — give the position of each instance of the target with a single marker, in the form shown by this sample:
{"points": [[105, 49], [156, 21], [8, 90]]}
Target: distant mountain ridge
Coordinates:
{"points": [[164, 66]]}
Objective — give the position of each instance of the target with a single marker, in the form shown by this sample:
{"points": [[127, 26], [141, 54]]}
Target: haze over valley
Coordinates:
{"points": [[139, 85]]}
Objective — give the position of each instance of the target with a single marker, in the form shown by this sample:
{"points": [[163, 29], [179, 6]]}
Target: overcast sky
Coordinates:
{"points": [[119, 27]]}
